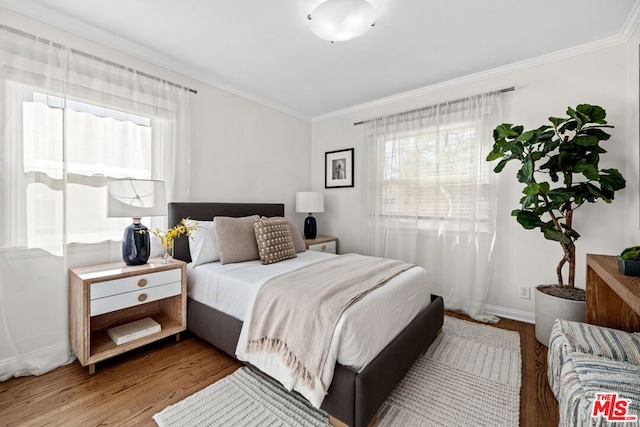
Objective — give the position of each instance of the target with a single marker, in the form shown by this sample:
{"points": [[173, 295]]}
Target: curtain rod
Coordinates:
{"points": [[97, 58], [508, 89]]}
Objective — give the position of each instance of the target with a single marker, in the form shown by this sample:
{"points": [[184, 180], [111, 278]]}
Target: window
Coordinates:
{"points": [[429, 172], [77, 146]]}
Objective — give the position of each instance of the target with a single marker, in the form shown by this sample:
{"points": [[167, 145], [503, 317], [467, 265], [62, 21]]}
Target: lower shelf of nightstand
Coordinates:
{"points": [[102, 346]]}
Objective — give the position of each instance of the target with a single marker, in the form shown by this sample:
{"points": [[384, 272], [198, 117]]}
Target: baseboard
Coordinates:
{"points": [[522, 316]]}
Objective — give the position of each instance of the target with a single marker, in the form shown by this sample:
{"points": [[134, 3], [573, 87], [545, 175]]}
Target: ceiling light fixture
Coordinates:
{"points": [[341, 20]]}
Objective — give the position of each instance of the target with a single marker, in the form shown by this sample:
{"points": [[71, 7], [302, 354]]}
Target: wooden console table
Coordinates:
{"points": [[613, 299]]}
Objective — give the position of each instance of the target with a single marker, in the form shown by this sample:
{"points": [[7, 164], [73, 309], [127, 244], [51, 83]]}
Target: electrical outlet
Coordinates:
{"points": [[525, 292]]}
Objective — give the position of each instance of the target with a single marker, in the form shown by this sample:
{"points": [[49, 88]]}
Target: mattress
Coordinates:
{"points": [[362, 332]]}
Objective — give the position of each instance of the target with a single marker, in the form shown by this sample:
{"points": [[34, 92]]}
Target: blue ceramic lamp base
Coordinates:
{"points": [[310, 227], [136, 246]]}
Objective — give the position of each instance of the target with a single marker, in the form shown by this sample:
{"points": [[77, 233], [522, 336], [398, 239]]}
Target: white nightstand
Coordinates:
{"points": [[108, 295], [323, 244]]}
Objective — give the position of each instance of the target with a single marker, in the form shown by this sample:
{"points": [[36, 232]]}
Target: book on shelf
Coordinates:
{"points": [[132, 331]]}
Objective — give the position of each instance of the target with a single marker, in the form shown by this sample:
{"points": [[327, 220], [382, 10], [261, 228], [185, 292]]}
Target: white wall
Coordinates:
{"points": [[245, 152], [523, 257]]}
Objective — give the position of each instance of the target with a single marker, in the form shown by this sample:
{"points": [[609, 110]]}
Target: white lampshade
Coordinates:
{"points": [[341, 20], [309, 202], [136, 198]]}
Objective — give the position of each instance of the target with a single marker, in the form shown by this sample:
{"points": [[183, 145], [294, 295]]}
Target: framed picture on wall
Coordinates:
{"points": [[338, 168]]}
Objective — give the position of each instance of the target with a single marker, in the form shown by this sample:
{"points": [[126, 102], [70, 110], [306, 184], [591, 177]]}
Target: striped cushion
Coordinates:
{"points": [[583, 375], [568, 337]]}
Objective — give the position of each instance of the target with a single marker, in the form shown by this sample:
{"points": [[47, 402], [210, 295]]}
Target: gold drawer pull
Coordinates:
{"points": [[142, 283], [324, 247], [142, 297]]}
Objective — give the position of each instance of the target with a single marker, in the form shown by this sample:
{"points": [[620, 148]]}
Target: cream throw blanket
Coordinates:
{"points": [[296, 313]]}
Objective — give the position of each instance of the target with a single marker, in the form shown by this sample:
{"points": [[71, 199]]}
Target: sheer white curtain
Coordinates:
{"points": [[69, 122], [429, 195]]}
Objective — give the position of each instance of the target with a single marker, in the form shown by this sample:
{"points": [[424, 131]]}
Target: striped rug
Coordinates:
{"points": [[471, 375]]}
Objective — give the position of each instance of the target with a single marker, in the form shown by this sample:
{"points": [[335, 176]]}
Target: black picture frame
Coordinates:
{"points": [[338, 168]]}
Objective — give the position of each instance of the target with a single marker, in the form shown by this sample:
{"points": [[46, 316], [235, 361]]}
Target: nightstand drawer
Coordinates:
{"points": [[130, 299], [134, 283], [329, 247]]}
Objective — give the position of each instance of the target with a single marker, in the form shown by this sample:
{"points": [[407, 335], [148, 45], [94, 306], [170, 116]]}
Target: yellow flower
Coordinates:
{"points": [[167, 237]]}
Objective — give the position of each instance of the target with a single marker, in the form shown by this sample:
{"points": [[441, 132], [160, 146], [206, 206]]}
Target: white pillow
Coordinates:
{"points": [[203, 244]]}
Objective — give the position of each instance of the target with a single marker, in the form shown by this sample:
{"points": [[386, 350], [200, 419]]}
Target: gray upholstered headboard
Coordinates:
{"points": [[205, 211]]}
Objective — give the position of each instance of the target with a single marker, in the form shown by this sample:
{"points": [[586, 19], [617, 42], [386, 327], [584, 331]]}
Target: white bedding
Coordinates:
{"points": [[362, 332]]}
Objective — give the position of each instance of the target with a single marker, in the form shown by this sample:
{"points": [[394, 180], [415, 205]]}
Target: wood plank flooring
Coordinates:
{"points": [[129, 389]]}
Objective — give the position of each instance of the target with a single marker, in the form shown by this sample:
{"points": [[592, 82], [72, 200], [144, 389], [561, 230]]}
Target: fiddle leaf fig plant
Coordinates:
{"points": [[559, 168]]}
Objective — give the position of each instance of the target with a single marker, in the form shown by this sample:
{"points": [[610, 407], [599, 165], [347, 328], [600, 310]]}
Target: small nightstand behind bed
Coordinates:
{"points": [[323, 244]]}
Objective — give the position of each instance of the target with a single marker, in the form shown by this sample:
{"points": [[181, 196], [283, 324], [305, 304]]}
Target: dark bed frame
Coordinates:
{"points": [[353, 397]]}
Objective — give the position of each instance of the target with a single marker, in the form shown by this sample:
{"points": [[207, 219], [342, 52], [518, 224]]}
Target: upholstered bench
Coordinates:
{"points": [[584, 360]]}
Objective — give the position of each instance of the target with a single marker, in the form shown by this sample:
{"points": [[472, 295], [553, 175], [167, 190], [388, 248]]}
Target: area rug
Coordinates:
{"points": [[471, 375]]}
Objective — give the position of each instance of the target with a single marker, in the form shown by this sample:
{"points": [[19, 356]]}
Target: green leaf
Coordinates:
{"points": [[501, 164], [494, 155], [525, 174], [544, 188], [530, 202], [551, 146], [515, 147], [569, 125], [594, 113], [560, 195], [586, 140], [531, 189], [588, 170], [598, 133], [506, 130], [597, 193], [529, 136], [612, 180], [536, 155], [553, 234], [575, 116], [527, 219], [557, 121]]}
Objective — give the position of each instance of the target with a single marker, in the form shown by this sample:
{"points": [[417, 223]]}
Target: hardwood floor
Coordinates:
{"points": [[129, 389]]}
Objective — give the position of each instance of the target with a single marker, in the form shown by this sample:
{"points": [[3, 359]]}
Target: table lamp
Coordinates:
{"points": [[310, 202], [136, 198]]}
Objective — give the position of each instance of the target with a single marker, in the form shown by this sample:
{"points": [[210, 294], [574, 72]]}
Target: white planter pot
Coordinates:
{"points": [[550, 308]]}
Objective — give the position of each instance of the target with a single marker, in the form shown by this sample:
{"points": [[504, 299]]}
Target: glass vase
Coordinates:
{"points": [[168, 254]]}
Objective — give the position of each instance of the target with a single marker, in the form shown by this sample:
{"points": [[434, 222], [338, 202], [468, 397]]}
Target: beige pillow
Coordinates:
{"points": [[236, 238], [296, 236], [274, 240]]}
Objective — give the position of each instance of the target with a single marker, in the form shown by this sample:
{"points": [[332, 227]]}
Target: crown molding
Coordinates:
{"points": [[631, 24], [483, 75]]}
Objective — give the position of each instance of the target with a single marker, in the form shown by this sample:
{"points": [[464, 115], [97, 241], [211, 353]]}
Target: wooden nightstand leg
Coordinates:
{"points": [[92, 369], [178, 337]]}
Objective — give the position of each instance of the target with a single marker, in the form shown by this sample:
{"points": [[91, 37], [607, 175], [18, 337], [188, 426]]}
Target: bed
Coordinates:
{"points": [[353, 397]]}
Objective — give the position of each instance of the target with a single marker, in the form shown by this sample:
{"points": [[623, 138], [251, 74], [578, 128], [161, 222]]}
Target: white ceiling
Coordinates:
{"points": [[264, 49]]}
